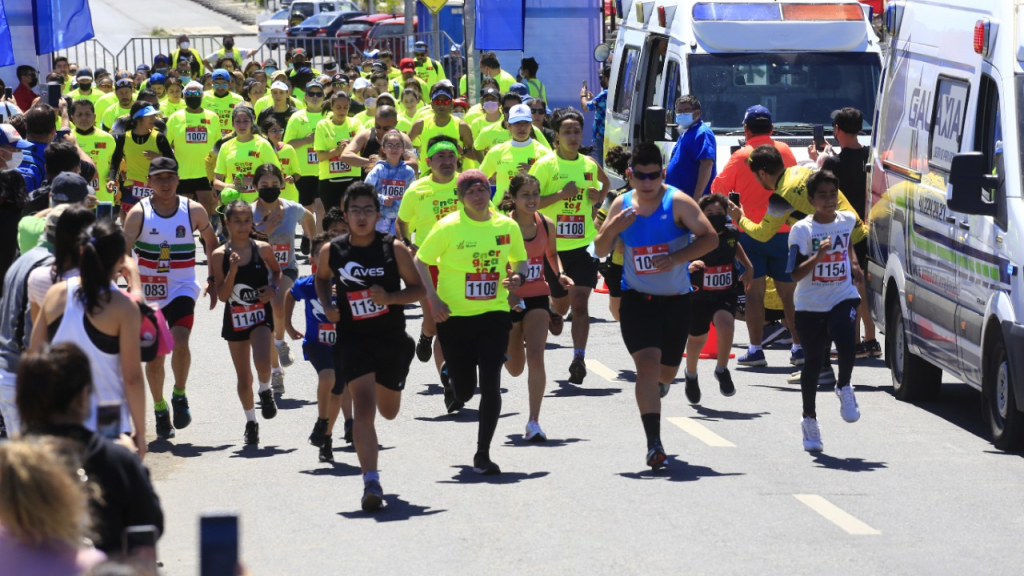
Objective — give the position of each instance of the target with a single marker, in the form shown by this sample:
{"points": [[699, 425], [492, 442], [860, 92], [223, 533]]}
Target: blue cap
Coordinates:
{"points": [[147, 111], [157, 78], [757, 113], [519, 88], [221, 74], [420, 46]]}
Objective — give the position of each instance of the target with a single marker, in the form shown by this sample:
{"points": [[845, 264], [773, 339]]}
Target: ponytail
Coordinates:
{"points": [[102, 246], [70, 224]]}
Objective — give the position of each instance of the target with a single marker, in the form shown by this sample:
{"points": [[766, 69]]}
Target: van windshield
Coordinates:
{"points": [[801, 90]]}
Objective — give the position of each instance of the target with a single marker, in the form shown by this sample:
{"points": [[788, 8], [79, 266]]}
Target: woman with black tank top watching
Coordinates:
{"points": [[240, 269], [104, 322]]}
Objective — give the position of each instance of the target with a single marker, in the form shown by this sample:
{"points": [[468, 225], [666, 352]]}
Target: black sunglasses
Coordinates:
{"points": [[647, 175]]}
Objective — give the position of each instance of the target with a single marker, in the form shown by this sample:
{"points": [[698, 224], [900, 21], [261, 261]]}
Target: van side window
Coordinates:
{"points": [[948, 118], [988, 137], [627, 80], [672, 88]]}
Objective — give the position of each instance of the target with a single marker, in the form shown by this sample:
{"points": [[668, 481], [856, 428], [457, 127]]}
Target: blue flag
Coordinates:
{"points": [[61, 24], [500, 24], [6, 48]]}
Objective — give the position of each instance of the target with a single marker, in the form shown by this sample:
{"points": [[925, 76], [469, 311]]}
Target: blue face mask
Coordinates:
{"points": [[185, 79], [684, 119]]}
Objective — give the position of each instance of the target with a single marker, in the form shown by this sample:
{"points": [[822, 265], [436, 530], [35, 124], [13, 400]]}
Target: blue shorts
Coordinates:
{"points": [[769, 258], [320, 356]]}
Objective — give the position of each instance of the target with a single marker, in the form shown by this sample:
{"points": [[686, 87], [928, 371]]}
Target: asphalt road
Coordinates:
{"points": [[117, 21], [906, 490]]}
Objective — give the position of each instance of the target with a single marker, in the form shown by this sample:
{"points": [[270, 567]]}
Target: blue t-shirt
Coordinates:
{"points": [[599, 106], [694, 145], [318, 328], [390, 182]]}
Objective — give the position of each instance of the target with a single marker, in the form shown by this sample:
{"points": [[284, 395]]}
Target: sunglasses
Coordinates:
{"points": [[441, 101], [393, 145], [383, 128], [315, 94], [537, 110], [647, 175], [220, 85]]}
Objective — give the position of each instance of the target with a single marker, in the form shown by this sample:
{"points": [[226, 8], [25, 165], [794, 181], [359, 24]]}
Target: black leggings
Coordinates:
{"points": [[817, 330], [469, 343]]}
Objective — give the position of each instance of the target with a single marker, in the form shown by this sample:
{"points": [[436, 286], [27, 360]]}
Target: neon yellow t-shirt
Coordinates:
{"points": [[497, 134], [302, 124], [480, 123], [240, 159], [425, 203], [289, 167], [103, 103], [113, 113], [503, 162], [192, 135], [328, 136], [472, 258], [92, 96], [100, 147], [573, 218], [168, 108], [222, 107]]}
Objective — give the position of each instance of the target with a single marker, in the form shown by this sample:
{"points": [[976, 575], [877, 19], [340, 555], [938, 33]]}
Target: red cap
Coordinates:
{"points": [[460, 102], [407, 64]]}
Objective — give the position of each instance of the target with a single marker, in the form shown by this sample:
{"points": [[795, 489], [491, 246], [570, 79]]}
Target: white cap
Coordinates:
{"points": [[279, 86], [360, 84], [520, 113], [193, 85]]}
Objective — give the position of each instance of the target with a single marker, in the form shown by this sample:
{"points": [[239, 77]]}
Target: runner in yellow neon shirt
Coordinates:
{"points": [[300, 134], [517, 156], [98, 144], [221, 100], [239, 157], [271, 128], [332, 135], [193, 132]]}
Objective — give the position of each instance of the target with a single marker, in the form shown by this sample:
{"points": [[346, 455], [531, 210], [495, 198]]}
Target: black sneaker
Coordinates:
{"points": [[451, 403], [692, 390], [182, 415], [482, 465], [252, 432], [164, 430], [327, 450], [656, 456], [873, 348], [424, 348], [304, 245], [577, 370], [319, 432], [373, 496], [267, 405], [725, 385], [348, 431]]}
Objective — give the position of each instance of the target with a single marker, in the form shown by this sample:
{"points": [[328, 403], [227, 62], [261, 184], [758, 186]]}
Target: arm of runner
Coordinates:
{"points": [[308, 223], [767, 228], [130, 272], [115, 163], [466, 136], [322, 283], [201, 222], [267, 253], [40, 336], [703, 176], [413, 291], [224, 283], [800, 264], [351, 155], [131, 370], [132, 227], [416, 130], [438, 309], [551, 252], [689, 214], [617, 221], [289, 308]]}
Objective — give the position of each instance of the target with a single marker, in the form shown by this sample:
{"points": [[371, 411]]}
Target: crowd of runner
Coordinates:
{"points": [[491, 217]]}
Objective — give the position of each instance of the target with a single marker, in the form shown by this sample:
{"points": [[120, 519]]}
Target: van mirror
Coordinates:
{"points": [[654, 124], [602, 52], [968, 174]]}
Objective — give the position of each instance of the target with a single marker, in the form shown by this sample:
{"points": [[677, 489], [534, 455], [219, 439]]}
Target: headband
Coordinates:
{"points": [[442, 145]]}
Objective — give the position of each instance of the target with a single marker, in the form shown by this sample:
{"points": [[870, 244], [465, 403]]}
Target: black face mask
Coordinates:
{"points": [[229, 45], [718, 221], [33, 83], [194, 101], [269, 194]]}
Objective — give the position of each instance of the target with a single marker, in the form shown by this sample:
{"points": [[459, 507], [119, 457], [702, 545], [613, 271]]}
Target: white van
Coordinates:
{"points": [[946, 214], [802, 59]]}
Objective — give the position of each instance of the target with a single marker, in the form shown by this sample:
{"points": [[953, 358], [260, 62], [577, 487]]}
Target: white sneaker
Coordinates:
{"points": [[826, 377], [848, 408], [812, 435], [284, 354], [534, 433], [277, 382]]}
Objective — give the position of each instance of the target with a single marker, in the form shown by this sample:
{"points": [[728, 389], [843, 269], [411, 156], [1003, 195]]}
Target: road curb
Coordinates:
{"points": [[233, 10]]}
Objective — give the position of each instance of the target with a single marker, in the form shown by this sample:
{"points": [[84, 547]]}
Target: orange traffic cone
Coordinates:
{"points": [[710, 350], [602, 285]]}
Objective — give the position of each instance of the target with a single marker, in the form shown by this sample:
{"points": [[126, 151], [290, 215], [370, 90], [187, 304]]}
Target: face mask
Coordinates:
{"points": [[370, 102], [459, 115], [270, 71], [185, 79], [718, 222], [161, 71], [229, 45], [193, 101], [184, 45], [16, 159], [684, 119], [269, 194], [33, 83]]}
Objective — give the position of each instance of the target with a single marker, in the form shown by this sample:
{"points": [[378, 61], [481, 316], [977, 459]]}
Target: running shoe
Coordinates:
{"points": [[786, 339], [796, 357], [373, 496], [267, 405], [656, 456], [663, 389], [692, 390], [182, 415], [725, 385], [873, 348], [424, 348], [859, 352], [348, 431], [252, 432], [771, 333], [327, 450], [826, 377], [752, 359], [451, 403], [164, 430], [284, 354], [577, 370], [812, 435], [557, 323], [534, 433], [319, 432], [277, 382], [482, 465], [848, 408]]}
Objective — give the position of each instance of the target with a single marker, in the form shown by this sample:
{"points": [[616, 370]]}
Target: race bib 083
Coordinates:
{"points": [[154, 287]]}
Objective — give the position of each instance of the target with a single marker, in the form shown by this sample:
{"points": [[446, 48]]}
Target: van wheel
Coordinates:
{"points": [[912, 377], [1000, 403]]}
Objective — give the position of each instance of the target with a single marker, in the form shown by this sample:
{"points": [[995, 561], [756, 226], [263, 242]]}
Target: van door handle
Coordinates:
{"points": [[950, 219], [964, 225]]}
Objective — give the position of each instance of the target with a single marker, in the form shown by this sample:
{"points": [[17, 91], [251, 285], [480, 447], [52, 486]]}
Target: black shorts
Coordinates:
{"points": [[613, 279], [192, 186], [703, 311], [180, 312], [332, 192], [387, 355], [530, 303], [579, 265], [229, 333], [309, 190], [655, 322], [319, 355], [292, 273]]}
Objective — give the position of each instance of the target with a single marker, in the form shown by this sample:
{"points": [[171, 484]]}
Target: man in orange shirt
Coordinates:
{"points": [[769, 258]]}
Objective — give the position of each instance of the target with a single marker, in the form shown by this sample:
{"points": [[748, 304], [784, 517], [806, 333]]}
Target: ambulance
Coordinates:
{"points": [[945, 208], [801, 59]]}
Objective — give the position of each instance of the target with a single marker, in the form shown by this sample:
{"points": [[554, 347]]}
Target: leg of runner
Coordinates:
{"points": [[277, 362], [725, 325], [535, 332], [786, 291], [648, 400], [155, 376], [579, 297], [516, 353], [754, 315], [261, 340], [243, 369], [364, 401], [318, 211]]}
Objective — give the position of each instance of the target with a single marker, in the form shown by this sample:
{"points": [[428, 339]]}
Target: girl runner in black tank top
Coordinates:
{"points": [[244, 311]]}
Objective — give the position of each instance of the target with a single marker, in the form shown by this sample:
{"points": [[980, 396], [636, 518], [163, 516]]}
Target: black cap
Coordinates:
{"points": [[68, 188], [163, 165], [124, 83]]}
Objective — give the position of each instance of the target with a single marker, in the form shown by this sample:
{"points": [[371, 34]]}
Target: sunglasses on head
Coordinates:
{"points": [[647, 175]]}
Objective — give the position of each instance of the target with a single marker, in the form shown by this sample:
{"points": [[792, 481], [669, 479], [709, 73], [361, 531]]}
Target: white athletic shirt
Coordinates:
{"points": [[40, 281], [831, 281], [166, 254]]}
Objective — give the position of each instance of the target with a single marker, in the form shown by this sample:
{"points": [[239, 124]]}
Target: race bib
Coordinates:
{"points": [[718, 277], [196, 135], [362, 307], [246, 316], [311, 156], [139, 189], [154, 287], [281, 253], [536, 269], [832, 268], [392, 188], [336, 166], [643, 258], [481, 286], [570, 226], [326, 334]]}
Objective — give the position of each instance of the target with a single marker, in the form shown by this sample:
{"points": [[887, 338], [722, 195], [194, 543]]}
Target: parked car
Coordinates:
{"points": [[315, 33], [388, 34], [303, 9], [273, 29], [352, 34]]}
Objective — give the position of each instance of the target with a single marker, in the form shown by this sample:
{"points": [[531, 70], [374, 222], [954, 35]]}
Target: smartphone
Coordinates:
{"points": [[734, 197], [60, 135], [136, 537], [53, 94], [218, 544], [819, 137], [108, 413], [584, 84], [8, 93], [105, 211]]}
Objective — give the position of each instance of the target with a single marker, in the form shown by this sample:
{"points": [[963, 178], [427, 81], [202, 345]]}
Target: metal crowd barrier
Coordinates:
{"points": [[91, 54], [142, 50]]}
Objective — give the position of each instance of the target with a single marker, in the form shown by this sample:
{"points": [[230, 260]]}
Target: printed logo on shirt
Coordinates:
{"points": [[354, 273], [204, 121], [254, 154], [154, 232], [486, 261], [179, 232], [588, 176], [503, 239], [101, 145]]}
